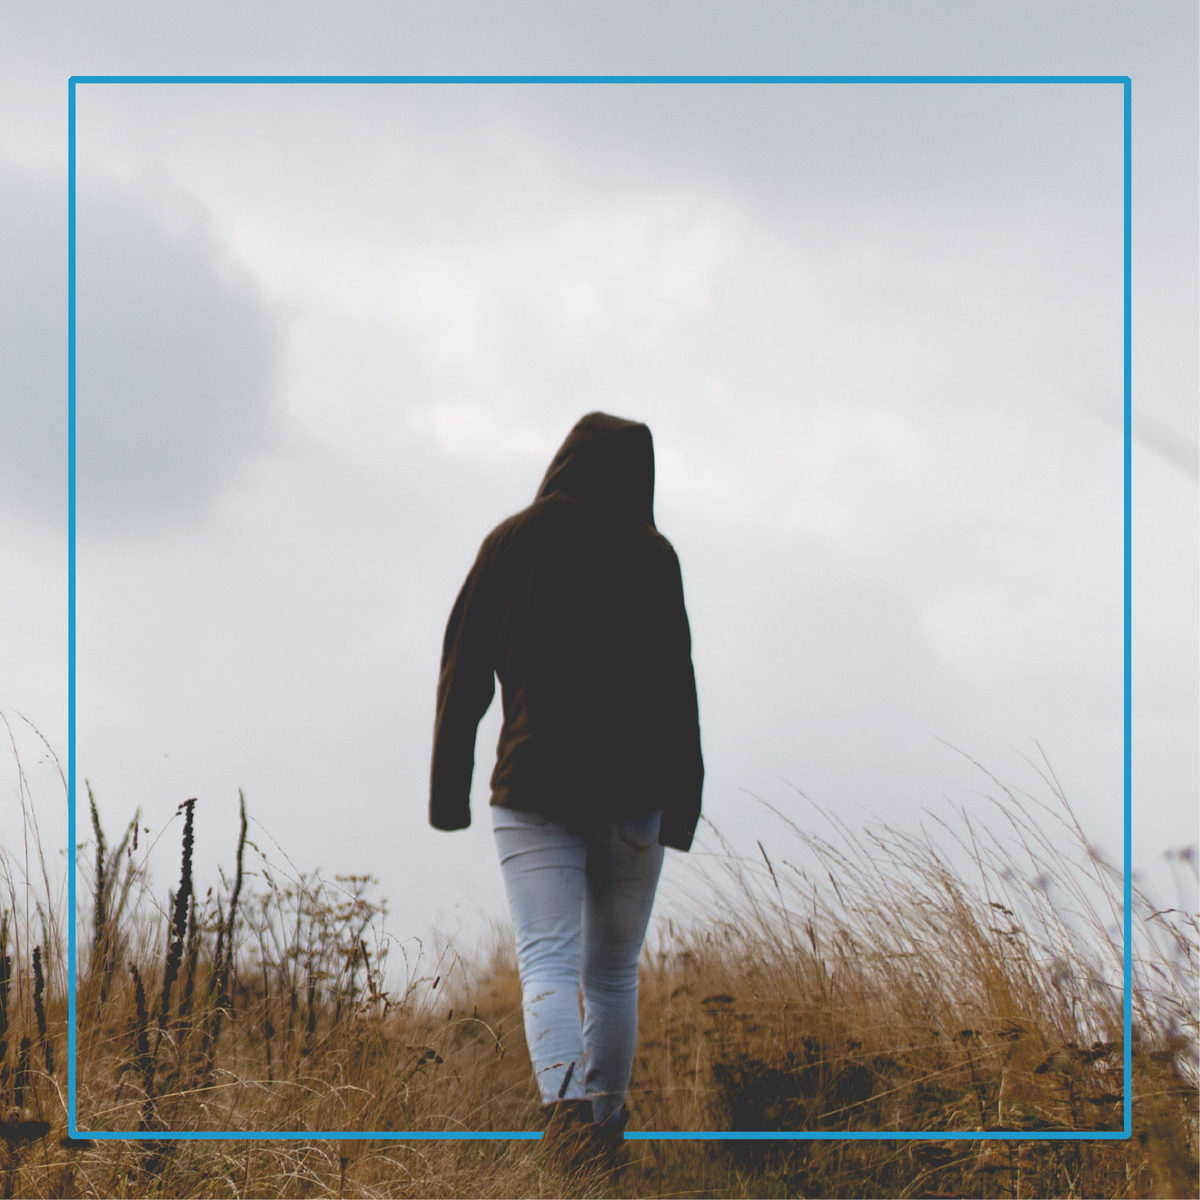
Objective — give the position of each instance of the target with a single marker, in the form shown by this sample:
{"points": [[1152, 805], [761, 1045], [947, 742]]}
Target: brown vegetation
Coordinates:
{"points": [[853, 984]]}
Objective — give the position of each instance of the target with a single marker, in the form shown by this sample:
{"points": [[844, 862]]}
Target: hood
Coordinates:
{"points": [[605, 459]]}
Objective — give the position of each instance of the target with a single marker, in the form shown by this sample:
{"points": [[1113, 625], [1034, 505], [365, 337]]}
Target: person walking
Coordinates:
{"points": [[576, 605]]}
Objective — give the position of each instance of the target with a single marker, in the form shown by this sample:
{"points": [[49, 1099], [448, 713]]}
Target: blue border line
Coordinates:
{"points": [[520, 1135], [71, 898], [1128, 638], [537, 79]]}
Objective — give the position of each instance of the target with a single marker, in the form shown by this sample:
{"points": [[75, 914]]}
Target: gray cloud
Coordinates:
{"points": [[849, 150], [377, 549], [33, 350], [176, 360], [177, 357]]}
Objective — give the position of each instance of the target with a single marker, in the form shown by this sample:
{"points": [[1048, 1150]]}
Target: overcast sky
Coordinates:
{"points": [[328, 336]]}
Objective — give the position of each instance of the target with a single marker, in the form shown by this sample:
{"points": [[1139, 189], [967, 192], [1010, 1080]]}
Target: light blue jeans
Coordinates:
{"points": [[580, 905]]}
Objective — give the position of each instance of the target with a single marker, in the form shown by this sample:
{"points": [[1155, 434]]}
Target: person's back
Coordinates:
{"points": [[576, 604]]}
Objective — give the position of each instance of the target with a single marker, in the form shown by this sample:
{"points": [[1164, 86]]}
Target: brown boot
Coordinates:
{"points": [[567, 1138], [608, 1143], [577, 1145]]}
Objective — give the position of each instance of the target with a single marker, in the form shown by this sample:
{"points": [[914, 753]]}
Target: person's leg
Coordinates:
{"points": [[623, 866], [543, 866]]}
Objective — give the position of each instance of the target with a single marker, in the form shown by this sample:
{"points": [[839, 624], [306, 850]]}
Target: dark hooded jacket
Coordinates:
{"points": [[576, 605]]}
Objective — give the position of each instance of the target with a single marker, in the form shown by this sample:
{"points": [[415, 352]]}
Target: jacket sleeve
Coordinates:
{"points": [[681, 810], [466, 685]]}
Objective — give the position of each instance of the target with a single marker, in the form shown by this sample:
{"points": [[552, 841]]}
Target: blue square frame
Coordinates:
{"points": [[1126, 84]]}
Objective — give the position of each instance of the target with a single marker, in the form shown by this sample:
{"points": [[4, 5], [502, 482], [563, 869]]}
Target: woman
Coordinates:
{"points": [[576, 604]]}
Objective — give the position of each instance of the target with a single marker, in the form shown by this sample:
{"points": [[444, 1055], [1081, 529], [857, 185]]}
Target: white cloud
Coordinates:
{"points": [[869, 445], [472, 430], [688, 477]]}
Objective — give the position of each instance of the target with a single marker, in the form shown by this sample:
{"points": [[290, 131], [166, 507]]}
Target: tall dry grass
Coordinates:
{"points": [[866, 981], [863, 980]]}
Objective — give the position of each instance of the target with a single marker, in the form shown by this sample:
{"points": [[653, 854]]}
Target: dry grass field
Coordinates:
{"points": [[860, 982]]}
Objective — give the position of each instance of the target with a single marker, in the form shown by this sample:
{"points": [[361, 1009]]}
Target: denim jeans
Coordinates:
{"points": [[580, 905]]}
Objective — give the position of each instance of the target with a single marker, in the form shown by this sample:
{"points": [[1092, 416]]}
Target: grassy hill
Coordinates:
{"points": [[858, 983]]}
